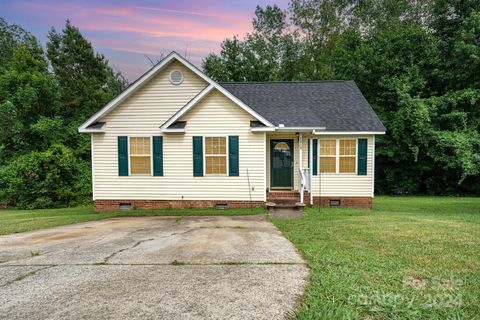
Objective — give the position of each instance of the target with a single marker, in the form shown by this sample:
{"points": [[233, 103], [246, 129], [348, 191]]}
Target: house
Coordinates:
{"points": [[176, 138]]}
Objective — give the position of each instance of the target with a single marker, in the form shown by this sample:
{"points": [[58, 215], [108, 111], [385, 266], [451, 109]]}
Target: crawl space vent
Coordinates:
{"points": [[176, 77], [125, 206], [334, 203], [221, 206]]}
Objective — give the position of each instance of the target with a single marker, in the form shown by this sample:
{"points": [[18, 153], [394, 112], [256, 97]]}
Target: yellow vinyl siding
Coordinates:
{"points": [[146, 110], [215, 115], [154, 103], [346, 184]]}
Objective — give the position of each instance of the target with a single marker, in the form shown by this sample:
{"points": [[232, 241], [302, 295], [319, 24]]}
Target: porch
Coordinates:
{"points": [[293, 176], [288, 173]]}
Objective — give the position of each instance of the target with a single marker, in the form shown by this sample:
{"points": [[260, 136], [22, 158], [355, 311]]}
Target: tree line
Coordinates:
{"points": [[416, 62], [45, 94]]}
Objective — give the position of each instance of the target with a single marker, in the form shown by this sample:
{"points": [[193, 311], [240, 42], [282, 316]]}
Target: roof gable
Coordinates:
{"points": [[140, 82]]}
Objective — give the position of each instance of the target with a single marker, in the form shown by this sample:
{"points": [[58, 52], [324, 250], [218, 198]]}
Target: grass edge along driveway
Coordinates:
{"points": [[408, 258], [14, 221]]}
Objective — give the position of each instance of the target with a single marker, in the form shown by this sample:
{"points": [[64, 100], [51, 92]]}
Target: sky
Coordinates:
{"points": [[128, 31]]}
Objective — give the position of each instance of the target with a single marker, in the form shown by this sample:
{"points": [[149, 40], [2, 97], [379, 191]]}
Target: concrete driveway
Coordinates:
{"points": [[151, 268]]}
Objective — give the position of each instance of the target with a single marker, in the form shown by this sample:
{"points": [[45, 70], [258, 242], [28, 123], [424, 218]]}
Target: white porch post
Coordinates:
{"points": [[310, 171], [300, 151]]}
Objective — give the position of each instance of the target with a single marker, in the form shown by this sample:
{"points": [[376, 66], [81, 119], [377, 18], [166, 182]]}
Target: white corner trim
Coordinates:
{"points": [[147, 76], [265, 166], [373, 166], [92, 151], [310, 155]]}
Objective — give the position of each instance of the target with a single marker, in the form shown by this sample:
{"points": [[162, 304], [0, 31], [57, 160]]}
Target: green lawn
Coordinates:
{"points": [[408, 258], [13, 221]]}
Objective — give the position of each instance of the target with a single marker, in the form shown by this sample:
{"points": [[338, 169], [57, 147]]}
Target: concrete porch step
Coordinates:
{"points": [[285, 200], [273, 206]]}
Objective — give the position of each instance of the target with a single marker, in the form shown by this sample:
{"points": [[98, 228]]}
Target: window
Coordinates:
{"points": [[328, 152], [282, 146], [215, 155], [338, 156], [348, 151], [140, 155]]}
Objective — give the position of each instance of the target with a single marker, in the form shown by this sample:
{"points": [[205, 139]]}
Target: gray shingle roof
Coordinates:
{"points": [[256, 124], [178, 125], [96, 125], [335, 105]]}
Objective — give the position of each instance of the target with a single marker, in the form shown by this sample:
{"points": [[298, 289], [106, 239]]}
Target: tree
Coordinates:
{"points": [[269, 53], [417, 63], [44, 162], [27, 93], [86, 81], [13, 36]]}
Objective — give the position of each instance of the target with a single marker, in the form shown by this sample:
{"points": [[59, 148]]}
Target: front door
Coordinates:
{"points": [[281, 164]]}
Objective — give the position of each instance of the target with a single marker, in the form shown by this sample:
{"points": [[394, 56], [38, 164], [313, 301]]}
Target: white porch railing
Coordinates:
{"points": [[305, 182]]}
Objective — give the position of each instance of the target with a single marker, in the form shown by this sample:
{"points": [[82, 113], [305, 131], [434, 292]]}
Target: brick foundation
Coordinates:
{"points": [[346, 202], [113, 205]]}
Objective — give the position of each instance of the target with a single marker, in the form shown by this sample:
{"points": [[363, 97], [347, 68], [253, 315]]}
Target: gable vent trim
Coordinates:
{"points": [[176, 77]]}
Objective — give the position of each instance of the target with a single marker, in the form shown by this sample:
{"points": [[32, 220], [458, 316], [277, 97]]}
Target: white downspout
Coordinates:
{"points": [[300, 151], [92, 153], [373, 164], [310, 172]]}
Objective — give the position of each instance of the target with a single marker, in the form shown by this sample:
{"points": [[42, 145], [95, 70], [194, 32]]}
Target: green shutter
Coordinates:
{"points": [[198, 156], [315, 157], [233, 156], [308, 154], [158, 156], [362, 157], [123, 156]]}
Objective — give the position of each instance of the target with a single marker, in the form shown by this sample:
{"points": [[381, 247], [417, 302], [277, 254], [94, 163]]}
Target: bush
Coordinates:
{"points": [[51, 178]]}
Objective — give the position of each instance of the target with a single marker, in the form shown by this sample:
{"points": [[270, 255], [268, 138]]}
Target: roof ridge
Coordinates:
{"points": [[279, 82]]}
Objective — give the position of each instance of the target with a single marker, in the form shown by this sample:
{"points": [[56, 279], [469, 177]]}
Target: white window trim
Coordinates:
{"points": [[347, 156], [337, 157], [205, 156], [130, 174], [328, 156]]}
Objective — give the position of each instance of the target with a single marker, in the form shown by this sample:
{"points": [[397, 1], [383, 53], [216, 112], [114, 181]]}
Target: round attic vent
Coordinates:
{"points": [[176, 77]]}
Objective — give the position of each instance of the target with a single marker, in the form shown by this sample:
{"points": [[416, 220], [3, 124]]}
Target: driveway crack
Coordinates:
{"points": [[26, 275], [105, 261]]}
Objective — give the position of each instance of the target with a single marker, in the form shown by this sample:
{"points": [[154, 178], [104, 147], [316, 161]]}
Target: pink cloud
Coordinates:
{"points": [[141, 28]]}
